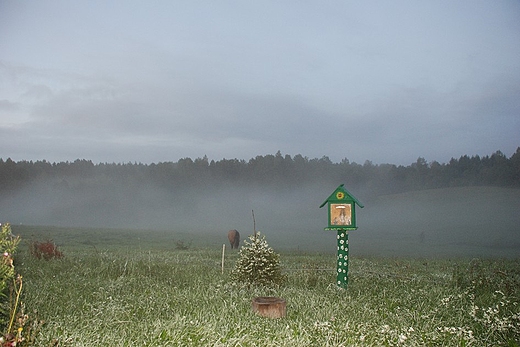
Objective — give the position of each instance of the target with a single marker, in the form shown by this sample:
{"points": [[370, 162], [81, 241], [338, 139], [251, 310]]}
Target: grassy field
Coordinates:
{"points": [[140, 288]]}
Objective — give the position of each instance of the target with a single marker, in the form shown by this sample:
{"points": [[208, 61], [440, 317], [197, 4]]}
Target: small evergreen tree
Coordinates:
{"points": [[257, 263]]}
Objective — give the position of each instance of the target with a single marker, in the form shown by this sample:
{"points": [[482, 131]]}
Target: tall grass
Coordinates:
{"points": [[130, 296]]}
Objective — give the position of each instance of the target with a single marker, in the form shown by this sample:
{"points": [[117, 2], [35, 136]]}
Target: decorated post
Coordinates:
{"points": [[342, 218]]}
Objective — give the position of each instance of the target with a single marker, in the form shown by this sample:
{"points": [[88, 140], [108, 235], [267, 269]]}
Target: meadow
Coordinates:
{"points": [[157, 288]]}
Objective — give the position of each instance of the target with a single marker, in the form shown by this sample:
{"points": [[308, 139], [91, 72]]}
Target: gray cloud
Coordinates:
{"points": [[386, 83]]}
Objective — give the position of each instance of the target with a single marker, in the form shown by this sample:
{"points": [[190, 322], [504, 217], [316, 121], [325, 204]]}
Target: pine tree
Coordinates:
{"points": [[257, 263]]}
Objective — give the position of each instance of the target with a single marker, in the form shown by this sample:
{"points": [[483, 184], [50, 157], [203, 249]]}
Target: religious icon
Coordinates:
{"points": [[340, 214]]}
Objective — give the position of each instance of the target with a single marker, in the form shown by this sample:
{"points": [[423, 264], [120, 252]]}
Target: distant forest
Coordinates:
{"points": [[280, 172]]}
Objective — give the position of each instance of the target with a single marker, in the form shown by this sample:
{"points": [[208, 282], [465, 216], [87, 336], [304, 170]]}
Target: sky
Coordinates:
{"points": [[154, 81]]}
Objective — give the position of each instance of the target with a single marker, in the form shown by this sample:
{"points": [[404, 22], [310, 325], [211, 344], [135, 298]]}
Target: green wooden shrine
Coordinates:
{"points": [[341, 206]]}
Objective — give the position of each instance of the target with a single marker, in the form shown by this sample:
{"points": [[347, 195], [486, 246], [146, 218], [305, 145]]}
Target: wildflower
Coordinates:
{"points": [[8, 260], [402, 338]]}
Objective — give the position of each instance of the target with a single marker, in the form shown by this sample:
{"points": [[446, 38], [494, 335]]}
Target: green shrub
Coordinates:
{"points": [[257, 263], [18, 329], [181, 245], [8, 244]]}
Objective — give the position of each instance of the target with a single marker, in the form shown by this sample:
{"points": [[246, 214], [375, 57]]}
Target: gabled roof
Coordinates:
{"points": [[342, 189]]}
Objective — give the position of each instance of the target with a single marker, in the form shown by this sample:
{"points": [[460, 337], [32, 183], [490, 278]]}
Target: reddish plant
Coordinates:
{"points": [[45, 250]]}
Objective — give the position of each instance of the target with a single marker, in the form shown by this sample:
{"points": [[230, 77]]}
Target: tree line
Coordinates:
{"points": [[276, 171]]}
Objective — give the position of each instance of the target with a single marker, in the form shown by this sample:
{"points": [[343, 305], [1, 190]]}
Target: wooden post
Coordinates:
{"points": [[254, 223], [223, 252]]}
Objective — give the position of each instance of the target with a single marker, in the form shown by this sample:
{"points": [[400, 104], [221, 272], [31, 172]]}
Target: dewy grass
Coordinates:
{"points": [[129, 297]]}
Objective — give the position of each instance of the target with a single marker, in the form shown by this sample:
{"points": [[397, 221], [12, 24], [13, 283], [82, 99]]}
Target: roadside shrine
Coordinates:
{"points": [[342, 218]]}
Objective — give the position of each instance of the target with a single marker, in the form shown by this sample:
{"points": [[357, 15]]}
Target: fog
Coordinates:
{"points": [[209, 209], [469, 221]]}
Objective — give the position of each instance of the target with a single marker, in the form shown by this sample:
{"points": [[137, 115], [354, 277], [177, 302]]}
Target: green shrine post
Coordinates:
{"points": [[342, 218], [342, 259]]}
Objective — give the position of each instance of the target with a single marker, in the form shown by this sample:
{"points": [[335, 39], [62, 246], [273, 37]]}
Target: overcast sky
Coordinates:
{"points": [[151, 81]]}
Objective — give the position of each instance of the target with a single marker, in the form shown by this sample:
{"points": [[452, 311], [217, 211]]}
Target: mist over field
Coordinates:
{"points": [[463, 221], [474, 221], [148, 206]]}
